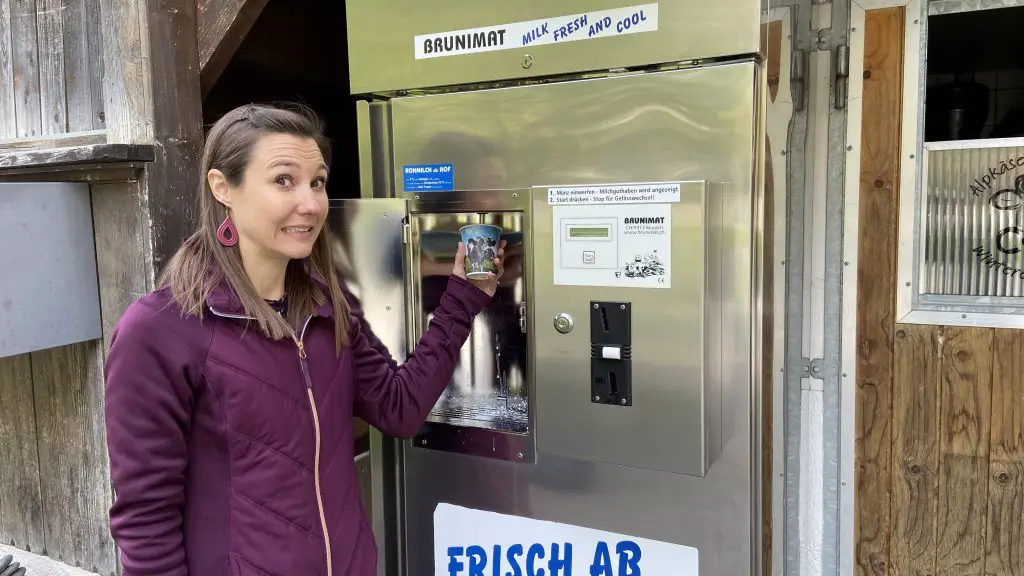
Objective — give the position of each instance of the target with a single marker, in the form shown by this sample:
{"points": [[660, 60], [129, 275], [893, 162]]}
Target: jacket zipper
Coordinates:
{"points": [[304, 367]]}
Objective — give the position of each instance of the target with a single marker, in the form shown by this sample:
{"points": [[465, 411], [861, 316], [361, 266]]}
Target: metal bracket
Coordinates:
{"points": [[823, 39]]}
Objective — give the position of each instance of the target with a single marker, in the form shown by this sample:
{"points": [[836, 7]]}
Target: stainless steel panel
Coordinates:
{"points": [[369, 254], [686, 125], [381, 36], [379, 127], [676, 351], [365, 144]]}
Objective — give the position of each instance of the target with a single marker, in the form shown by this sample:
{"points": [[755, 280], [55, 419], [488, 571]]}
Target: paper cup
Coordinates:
{"points": [[482, 242]]}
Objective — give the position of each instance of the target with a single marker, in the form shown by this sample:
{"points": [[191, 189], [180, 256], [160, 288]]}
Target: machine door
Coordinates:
{"points": [[370, 254]]}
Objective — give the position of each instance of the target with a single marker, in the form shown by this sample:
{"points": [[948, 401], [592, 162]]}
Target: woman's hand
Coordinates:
{"points": [[488, 285]]}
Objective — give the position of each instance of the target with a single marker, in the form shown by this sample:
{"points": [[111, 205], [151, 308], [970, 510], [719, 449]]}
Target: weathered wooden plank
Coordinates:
{"points": [[81, 110], [123, 252], [1004, 550], [915, 412], [75, 482], [172, 180], [8, 117], [21, 509], [964, 436], [76, 155], [126, 101], [26, 67], [94, 36], [879, 177], [84, 138], [52, 99], [223, 25]]}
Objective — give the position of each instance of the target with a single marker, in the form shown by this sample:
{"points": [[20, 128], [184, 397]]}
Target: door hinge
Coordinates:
{"points": [[522, 317], [797, 78], [406, 233], [842, 68]]}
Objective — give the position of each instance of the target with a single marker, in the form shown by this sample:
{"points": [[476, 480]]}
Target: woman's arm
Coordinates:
{"points": [[148, 412], [397, 399]]}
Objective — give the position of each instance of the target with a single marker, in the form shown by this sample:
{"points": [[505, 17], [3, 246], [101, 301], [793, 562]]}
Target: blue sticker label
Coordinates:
{"points": [[428, 177]]}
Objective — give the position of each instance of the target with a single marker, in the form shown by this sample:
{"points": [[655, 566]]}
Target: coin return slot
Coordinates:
{"points": [[611, 353]]}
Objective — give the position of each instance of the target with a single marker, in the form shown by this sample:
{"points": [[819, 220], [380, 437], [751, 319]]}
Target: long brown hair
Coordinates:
{"points": [[203, 262]]}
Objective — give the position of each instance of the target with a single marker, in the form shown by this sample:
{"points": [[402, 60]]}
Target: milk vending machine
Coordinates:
{"points": [[604, 417]]}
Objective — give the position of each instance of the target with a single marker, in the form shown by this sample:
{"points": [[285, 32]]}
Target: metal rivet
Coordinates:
{"points": [[527, 62], [388, 308], [515, 194], [907, 284], [911, 155], [848, 148], [520, 455], [595, 306], [623, 401], [622, 307], [964, 316], [597, 398]]}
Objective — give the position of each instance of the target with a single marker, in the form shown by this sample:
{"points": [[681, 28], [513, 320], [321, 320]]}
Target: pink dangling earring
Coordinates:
{"points": [[226, 234]]}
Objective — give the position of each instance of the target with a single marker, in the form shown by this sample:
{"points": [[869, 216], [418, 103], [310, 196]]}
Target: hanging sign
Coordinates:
{"points": [[556, 30], [614, 236], [479, 543]]}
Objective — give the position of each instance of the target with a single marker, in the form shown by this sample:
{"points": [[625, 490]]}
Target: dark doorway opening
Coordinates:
{"points": [[297, 51]]}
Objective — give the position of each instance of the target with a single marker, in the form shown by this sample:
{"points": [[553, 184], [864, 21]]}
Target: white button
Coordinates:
{"points": [[611, 352]]}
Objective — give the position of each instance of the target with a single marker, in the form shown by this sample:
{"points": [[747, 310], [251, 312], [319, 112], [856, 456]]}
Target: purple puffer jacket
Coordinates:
{"points": [[213, 444]]}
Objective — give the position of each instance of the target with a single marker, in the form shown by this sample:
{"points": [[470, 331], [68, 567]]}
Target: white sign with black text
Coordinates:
{"points": [[555, 30], [615, 236]]}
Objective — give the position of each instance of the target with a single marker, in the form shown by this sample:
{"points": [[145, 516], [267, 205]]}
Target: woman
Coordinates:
{"points": [[231, 390]]}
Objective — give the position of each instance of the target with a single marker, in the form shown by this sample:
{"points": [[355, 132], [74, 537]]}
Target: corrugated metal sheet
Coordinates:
{"points": [[973, 220]]}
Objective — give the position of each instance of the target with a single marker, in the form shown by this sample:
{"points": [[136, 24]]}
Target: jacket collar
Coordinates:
{"points": [[224, 301]]}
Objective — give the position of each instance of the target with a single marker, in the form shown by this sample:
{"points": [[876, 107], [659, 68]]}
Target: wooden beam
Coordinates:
{"points": [[154, 98], [876, 279], [54, 157], [223, 25]]}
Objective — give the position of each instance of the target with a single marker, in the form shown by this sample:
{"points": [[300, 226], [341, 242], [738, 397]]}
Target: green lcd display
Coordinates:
{"points": [[592, 232]]}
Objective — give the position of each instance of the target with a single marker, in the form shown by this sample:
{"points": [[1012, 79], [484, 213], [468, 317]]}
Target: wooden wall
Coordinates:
{"points": [[62, 118], [940, 409], [51, 68]]}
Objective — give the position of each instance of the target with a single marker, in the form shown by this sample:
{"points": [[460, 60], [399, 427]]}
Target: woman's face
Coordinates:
{"points": [[280, 205]]}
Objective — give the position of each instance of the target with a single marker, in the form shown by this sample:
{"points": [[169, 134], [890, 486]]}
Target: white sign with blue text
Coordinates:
{"points": [[555, 30], [479, 543]]}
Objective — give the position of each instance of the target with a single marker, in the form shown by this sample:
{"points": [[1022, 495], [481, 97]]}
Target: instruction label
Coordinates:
{"points": [[555, 30], [622, 194], [428, 177], [476, 543], [615, 236]]}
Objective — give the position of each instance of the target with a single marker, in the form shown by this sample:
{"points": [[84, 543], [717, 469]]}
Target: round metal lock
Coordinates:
{"points": [[564, 323]]}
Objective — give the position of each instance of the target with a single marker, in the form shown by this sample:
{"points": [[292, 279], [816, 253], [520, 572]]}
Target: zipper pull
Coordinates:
{"points": [[302, 349]]}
